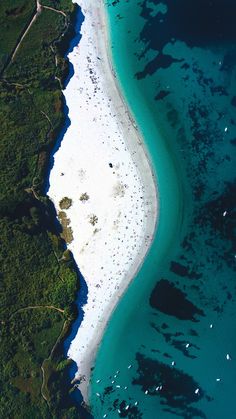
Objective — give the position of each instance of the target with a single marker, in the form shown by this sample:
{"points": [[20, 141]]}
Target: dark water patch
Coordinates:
{"points": [[175, 388], [233, 101], [202, 80], [229, 61], [132, 412], [181, 346], [190, 414], [221, 90], [166, 355], [218, 309], [203, 23], [171, 340], [202, 133], [162, 94], [220, 213], [108, 390], [187, 243], [167, 336], [156, 351], [194, 287], [215, 220], [181, 136], [160, 61], [119, 17], [185, 66], [114, 3], [229, 296], [172, 301], [183, 271], [172, 116], [198, 112]]}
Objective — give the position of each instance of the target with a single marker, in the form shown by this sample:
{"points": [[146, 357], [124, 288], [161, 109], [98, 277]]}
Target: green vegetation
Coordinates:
{"points": [[64, 5], [93, 219], [84, 197], [14, 17], [65, 203], [67, 233], [38, 279]]}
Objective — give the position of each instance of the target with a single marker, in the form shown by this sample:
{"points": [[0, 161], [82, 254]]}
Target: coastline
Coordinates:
{"points": [[124, 198], [29, 216]]}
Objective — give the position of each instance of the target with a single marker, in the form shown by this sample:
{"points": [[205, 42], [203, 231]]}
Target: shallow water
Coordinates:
{"points": [[176, 64]]}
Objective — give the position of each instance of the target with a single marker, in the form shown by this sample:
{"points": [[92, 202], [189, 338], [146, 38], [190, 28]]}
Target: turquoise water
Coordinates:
{"points": [[176, 64]]}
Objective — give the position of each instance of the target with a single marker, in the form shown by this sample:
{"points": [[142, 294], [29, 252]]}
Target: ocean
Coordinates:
{"points": [[169, 350]]}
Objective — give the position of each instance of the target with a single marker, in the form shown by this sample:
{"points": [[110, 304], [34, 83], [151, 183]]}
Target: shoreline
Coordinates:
{"points": [[121, 186]]}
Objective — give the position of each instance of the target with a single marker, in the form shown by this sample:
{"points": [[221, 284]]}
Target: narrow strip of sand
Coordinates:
{"points": [[103, 168]]}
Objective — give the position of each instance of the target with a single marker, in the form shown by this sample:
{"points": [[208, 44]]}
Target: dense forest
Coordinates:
{"points": [[38, 277]]}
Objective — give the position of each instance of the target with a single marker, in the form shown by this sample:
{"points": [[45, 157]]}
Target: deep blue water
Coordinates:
{"points": [[176, 62]]}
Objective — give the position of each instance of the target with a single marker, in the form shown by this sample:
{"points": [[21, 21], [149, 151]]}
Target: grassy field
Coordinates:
{"points": [[38, 278]]}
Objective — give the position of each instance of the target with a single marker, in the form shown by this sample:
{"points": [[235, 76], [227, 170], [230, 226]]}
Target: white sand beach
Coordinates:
{"points": [[102, 156]]}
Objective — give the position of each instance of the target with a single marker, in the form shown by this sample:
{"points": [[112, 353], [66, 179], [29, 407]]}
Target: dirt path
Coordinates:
{"points": [[55, 10], [47, 359], [37, 307], [50, 307], [38, 11], [39, 8]]}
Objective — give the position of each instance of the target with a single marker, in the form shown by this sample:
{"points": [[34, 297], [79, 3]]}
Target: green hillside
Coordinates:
{"points": [[38, 278]]}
